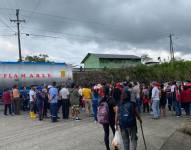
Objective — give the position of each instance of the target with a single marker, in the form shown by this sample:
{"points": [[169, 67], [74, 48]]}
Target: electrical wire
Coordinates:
{"points": [[6, 25]]}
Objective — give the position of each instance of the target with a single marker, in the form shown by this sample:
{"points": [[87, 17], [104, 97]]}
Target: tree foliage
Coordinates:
{"points": [[179, 70], [37, 58]]}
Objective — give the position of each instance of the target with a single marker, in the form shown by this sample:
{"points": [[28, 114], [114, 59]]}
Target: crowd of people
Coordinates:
{"points": [[114, 106]]}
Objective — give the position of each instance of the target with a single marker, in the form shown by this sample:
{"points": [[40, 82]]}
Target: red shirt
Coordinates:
{"points": [[185, 96], [6, 97], [145, 101]]}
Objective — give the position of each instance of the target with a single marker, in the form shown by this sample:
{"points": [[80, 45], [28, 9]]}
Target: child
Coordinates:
{"points": [[145, 103], [7, 101]]}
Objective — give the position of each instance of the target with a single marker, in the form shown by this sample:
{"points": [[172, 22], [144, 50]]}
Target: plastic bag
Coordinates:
{"points": [[117, 141]]}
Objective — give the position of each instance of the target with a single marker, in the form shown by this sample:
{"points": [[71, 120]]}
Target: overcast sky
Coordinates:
{"points": [[67, 30]]}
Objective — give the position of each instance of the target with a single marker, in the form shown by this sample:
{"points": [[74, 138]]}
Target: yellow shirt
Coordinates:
{"points": [[16, 93], [86, 93]]}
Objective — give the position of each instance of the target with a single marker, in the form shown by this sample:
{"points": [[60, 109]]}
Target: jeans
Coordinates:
{"points": [[169, 97], [129, 136], [178, 108], [155, 108], [46, 107], [17, 103], [40, 105], [94, 106], [138, 103], [146, 107], [25, 104], [106, 133], [65, 108], [186, 107], [53, 111], [88, 106], [9, 107]]}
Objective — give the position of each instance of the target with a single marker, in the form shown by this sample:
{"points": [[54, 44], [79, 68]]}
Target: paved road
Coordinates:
{"points": [[21, 133]]}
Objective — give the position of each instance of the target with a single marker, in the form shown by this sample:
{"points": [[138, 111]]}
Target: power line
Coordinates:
{"points": [[35, 8], [7, 35], [6, 25], [73, 20]]}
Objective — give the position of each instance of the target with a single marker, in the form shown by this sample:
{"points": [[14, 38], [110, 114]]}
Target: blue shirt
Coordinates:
{"points": [[53, 92]]}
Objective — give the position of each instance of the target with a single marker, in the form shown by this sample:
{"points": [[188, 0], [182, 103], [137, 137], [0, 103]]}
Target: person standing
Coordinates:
{"points": [[186, 99], [163, 99], [178, 101], [81, 98], [46, 103], [40, 97], [32, 96], [7, 101], [137, 92], [169, 96], [16, 99], [87, 98], [53, 98], [95, 99], [74, 100], [126, 114], [25, 99], [65, 102], [117, 93], [155, 101], [173, 95]]}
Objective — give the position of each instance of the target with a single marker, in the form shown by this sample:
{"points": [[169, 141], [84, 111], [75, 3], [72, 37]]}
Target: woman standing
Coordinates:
{"points": [[163, 101], [110, 103], [7, 101], [95, 98]]}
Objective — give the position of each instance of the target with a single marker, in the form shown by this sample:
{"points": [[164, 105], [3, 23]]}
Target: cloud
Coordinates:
{"points": [[73, 28]]}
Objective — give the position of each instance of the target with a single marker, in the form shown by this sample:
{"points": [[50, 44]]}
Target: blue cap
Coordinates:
{"points": [[39, 88]]}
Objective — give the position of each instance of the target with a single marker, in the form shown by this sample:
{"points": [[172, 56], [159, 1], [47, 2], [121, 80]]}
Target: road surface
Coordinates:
{"points": [[22, 133]]}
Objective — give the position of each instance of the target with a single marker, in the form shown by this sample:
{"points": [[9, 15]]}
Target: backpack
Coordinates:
{"points": [[103, 113], [127, 115]]}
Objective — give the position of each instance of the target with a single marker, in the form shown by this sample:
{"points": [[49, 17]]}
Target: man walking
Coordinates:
{"points": [[53, 98], [126, 114]]}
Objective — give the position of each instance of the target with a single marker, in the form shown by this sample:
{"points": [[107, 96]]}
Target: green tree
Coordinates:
{"points": [[37, 58]]}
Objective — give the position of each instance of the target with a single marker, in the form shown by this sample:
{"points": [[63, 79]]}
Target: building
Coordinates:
{"points": [[100, 61]]}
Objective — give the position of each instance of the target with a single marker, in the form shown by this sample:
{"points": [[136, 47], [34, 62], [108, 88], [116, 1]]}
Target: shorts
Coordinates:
{"points": [[75, 108]]}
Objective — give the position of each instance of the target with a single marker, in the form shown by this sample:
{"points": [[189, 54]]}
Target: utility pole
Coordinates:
{"points": [[171, 48], [18, 32]]}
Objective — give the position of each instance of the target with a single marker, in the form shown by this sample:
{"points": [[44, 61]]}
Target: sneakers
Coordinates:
{"points": [[77, 119]]}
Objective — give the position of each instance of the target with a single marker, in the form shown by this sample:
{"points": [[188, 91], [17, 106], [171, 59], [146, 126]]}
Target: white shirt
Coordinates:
{"points": [[136, 89], [64, 93], [80, 91], [173, 88], [155, 94], [31, 94]]}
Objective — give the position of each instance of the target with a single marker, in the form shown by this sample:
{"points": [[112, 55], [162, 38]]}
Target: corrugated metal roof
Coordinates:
{"points": [[112, 56], [117, 56]]}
